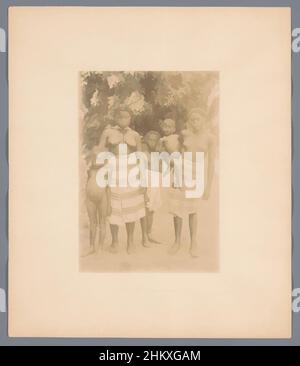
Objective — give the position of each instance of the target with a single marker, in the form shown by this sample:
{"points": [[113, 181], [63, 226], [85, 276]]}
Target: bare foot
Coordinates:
{"points": [[152, 240], [100, 246], [146, 243], [113, 248], [131, 248], [98, 251], [174, 248], [91, 251], [194, 251]]}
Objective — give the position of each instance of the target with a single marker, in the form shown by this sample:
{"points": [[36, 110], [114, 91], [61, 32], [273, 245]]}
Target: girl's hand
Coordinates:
{"points": [[205, 195], [147, 199], [109, 210]]}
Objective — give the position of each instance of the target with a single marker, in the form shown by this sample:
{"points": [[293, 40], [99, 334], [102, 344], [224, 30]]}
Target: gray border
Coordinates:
{"points": [[4, 339]]}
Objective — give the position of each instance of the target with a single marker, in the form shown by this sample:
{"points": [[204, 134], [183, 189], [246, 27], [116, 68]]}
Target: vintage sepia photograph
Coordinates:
{"points": [[165, 125], [149, 173]]}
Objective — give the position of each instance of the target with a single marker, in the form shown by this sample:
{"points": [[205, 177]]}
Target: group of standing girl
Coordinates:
{"points": [[127, 205]]}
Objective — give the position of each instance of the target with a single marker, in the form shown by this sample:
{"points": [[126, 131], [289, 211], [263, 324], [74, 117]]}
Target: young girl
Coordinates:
{"points": [[149, 145], [97, 207], [170, 143], [170, 140], [127, 204], [195, 138]]}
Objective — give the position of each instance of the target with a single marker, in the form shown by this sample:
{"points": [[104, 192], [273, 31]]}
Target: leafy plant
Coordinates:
{"points": [[151, 96]]}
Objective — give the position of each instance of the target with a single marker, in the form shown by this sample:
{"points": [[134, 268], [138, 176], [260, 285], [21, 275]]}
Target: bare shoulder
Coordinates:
{"points": [[185, 133], [136, 135], [144, 146], [107, 131], [211, 138]]}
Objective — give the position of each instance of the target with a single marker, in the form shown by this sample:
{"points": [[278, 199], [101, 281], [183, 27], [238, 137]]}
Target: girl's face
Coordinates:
{"points": [[167, 128], [123, 119], [196, 121], [152, 140]]}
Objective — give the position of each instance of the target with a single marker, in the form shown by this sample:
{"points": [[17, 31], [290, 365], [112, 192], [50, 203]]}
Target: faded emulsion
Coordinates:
{"points": [[149, 171]]}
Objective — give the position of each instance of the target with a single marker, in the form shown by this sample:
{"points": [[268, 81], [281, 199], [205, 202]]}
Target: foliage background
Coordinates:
{"points": [[151, 96]]}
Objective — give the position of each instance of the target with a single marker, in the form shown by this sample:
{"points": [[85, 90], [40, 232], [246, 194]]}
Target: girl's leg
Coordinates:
{"points": [[92, 213], [193, 233], [149, 217], [143, 221], [102, 231], [130, 232], [114, 229], [144, 228], [178, 228], [102, 211]]}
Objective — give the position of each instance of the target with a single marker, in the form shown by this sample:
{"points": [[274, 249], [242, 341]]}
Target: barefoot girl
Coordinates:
{"points": [[170, 143], [127, 203], [96, 203], [149, 145], [194, 139]]}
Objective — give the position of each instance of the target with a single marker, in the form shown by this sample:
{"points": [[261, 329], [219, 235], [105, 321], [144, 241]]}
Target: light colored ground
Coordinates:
{"points": [[156, 258]]}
